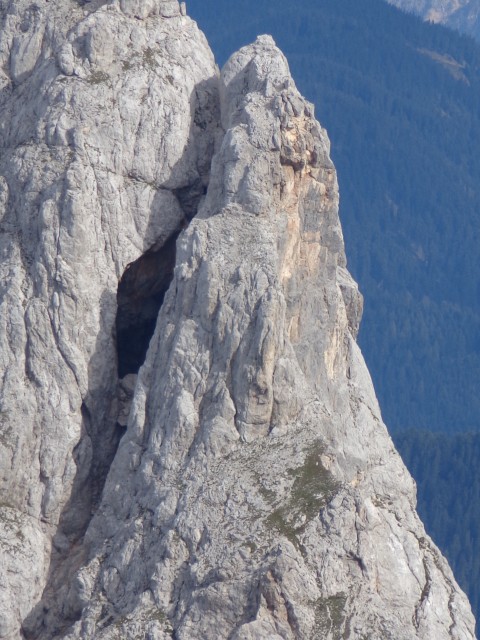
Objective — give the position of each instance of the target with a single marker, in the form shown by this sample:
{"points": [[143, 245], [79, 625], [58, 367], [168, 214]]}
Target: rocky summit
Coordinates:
{"points": [[190, 443]]}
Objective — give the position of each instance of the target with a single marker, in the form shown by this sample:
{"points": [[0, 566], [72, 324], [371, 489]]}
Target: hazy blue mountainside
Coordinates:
{"points": [[446, 471], [400, 99], [463, 15]]}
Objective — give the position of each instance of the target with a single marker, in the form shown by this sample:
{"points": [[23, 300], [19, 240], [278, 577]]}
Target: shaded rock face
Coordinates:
{"points": [[140, 296], [255, 492]]}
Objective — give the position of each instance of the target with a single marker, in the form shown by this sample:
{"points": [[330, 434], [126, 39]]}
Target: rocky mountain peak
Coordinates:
{"points": [[190, 442]]}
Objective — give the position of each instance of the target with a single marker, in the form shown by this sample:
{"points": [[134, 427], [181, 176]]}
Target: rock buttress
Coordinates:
{"points": [[106, 115]]}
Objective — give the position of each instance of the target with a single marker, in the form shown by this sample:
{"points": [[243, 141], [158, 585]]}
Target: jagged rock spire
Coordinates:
{"points": [[255, 492]]}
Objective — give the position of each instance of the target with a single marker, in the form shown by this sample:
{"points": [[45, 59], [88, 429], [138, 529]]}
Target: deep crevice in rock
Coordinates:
{"points": [[140, 295], [105, 411], [189, 197]]}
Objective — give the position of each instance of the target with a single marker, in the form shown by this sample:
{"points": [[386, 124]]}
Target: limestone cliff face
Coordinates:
{"points": [[106, 118], [190, 442]]}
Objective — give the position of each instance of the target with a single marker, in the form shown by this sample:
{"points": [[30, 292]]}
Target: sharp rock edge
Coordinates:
{"points": [[255, 492]]}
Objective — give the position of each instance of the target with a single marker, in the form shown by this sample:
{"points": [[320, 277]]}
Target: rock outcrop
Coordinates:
{"points": [[190, 442], [106, 119]]}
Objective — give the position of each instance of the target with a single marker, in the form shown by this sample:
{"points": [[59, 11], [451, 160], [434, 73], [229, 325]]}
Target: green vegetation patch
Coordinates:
{"points": [[312, 489], [97, 77], [134, 625], [149, 58], [330, 616]]}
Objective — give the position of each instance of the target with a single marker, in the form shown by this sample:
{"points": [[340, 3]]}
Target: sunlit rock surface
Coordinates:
{"points": [[237, 483]]}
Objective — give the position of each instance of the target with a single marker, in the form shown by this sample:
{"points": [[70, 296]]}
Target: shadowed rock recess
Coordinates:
{"points": [[140, 296], [173, 270]]}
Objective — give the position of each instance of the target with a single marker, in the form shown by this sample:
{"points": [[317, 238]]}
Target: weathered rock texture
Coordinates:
{"points": [[463, 15], [255, 493], [104, 118]]}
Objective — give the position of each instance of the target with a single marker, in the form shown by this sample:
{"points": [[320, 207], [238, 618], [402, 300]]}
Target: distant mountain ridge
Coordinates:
{"points": [[463, 15]]}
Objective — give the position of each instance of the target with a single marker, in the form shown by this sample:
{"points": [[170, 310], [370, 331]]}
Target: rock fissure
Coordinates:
{"points": [[187, 478], [424, 595], [140, 295]]}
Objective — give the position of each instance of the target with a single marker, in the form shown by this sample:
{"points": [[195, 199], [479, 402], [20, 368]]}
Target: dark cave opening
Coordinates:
{"points": [[140, 295]]}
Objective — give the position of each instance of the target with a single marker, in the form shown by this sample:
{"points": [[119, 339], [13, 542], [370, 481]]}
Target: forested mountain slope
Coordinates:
{"points": [[463, 15], [446, 470], [400, 100]]}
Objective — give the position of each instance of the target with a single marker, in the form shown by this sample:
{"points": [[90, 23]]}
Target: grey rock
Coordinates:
{"points": [[88, 173], [256, 492], [265, 491], [145, 8]]}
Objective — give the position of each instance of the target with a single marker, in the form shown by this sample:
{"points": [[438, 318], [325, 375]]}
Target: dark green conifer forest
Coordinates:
{"points": [[445, 469], [400, 100]]}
